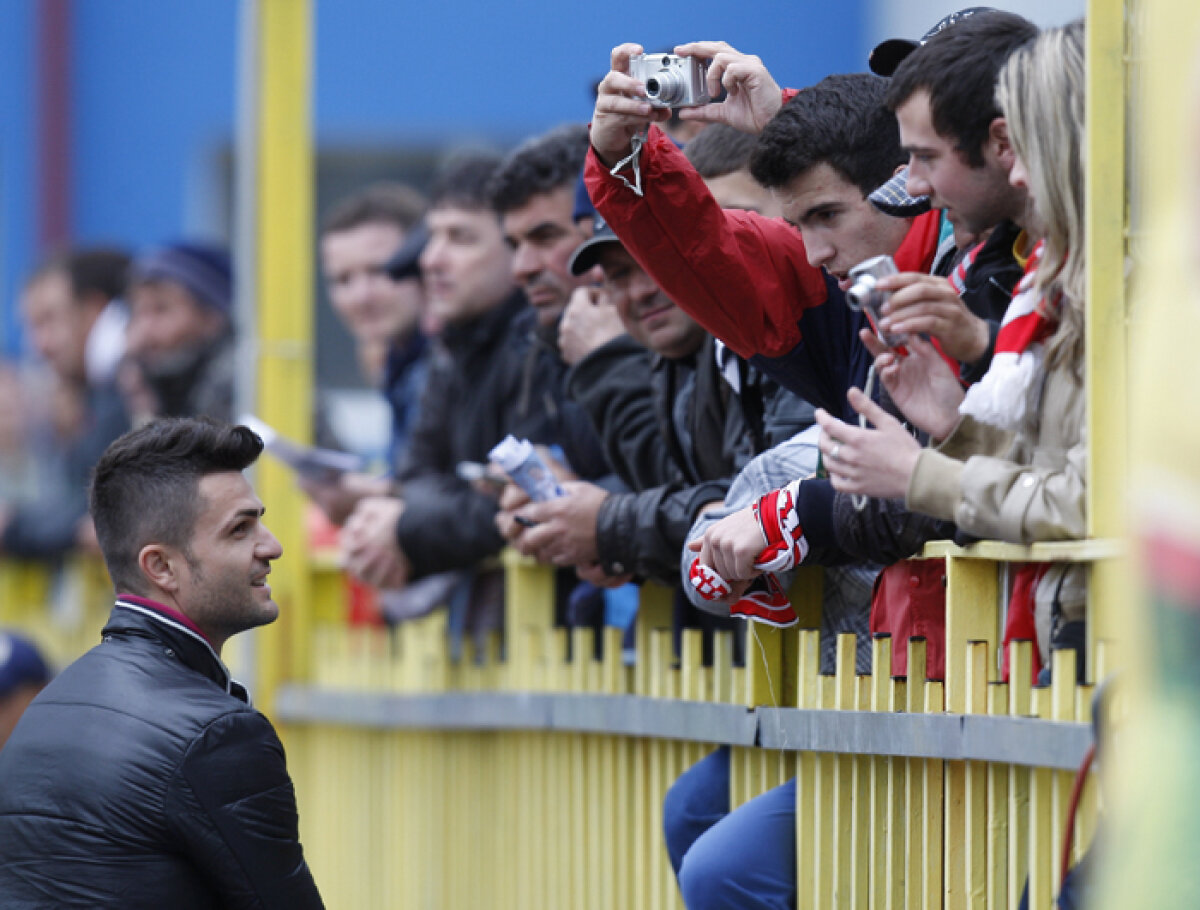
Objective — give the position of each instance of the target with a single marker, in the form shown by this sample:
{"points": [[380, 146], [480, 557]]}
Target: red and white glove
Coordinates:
{"points": [[707, 582], [771, 605], [780, 525]]}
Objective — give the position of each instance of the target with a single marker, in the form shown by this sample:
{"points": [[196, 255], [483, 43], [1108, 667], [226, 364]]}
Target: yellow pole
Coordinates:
{"points": [[283, 198], [1107, 317]]}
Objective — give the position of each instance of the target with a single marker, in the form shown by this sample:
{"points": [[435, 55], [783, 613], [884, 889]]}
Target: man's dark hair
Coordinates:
{"points": [[145, 487], [539, 165], [958, 68], [91, 271], [98, 270], [841, 121], [462, 181], [719, 150], [378, 203]]}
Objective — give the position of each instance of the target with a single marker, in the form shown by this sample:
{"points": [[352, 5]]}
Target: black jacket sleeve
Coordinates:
{"points": [[446, 524], [643, 533], [614, 387], [233, 813]]}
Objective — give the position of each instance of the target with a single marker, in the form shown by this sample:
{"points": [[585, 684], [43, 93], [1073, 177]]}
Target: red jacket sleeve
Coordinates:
{"points": [[745, 278]]}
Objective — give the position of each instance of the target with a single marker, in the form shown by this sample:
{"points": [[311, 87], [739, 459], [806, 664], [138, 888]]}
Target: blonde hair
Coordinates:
{"points": [[1041, 91]]}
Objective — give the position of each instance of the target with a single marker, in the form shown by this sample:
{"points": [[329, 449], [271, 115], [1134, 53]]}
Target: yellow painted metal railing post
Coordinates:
{"points": [[1107, 318], [283, 184]]}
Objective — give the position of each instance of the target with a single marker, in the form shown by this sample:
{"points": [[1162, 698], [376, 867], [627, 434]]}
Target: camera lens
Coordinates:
{"points": [[860, 292], [665, 87]]}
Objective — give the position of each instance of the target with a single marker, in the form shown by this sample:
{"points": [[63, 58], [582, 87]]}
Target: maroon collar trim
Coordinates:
{"points": [[169, 612]]}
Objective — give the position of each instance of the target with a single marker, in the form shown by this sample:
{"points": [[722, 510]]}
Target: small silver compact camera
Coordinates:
{"points": [[672, 81], [865, 296]]}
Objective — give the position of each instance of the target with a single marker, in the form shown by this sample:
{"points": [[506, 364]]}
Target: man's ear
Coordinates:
{"points": [[160, 566], [999, 142]]}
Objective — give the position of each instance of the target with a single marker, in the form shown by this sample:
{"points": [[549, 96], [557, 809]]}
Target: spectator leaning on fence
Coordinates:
{"points": [[1010, 459], [711, 418], [63, 303], [369, 246], [141, 777], [472, 399]]}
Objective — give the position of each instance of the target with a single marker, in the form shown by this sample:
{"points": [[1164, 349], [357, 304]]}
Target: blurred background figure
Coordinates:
{"points": [[64, 305], [23, 674], [369, 249], [180, 337]]}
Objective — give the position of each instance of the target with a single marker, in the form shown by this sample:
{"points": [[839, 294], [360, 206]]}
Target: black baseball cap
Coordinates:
{"points": [[587, 254], [889, 54], [405, 263]]}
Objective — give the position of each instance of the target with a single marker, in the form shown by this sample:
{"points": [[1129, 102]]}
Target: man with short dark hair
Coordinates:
{"points": [[141, 776], [476, 392], [369, 244]]}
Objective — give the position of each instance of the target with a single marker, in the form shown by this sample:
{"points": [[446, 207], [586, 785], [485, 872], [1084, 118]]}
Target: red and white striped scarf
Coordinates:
{"points": [[1008, 395]]}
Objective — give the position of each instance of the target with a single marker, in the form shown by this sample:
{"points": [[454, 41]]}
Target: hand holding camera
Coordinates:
{"points": [[671, 81], [751, 95], [866, 296], [622, 109]]}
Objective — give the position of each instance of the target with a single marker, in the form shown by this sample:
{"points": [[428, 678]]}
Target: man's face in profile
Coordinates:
{"points": [[223, 581], [543, 235], [840, 227]]}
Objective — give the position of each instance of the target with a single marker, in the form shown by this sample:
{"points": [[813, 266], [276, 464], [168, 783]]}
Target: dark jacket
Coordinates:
{"points": [[404, 373], [48, 527], [706, 433], [141, 777], [472, 400], [196, 381]]}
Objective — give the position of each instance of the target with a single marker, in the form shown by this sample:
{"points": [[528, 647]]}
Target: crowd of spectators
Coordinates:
{"points": [[665, 315]]}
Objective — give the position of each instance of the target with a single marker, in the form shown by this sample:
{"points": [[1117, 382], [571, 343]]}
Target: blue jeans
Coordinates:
{"points": [[724, 860]]}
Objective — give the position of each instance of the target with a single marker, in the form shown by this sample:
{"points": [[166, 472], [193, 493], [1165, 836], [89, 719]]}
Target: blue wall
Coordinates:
{"points": [[154, 87]]}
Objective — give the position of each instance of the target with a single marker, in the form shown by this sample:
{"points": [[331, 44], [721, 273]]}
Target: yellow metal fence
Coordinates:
{"points": [[538, 780]]}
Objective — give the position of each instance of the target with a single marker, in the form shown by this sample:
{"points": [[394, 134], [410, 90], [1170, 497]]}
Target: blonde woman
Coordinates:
{"points": [[1009, 461]]}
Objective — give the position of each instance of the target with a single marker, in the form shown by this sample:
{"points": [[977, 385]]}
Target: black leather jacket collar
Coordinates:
{"points": [[139, 616]]}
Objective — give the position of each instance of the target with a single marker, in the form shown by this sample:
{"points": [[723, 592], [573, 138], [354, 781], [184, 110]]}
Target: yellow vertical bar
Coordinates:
{"points": [[880, 814], [997, 813], [933, 829], [849, 844], [975, 779], [808, 662], [1019, 705], [1041, 836], [971, 615], [1062, 708], [528, 604], [283, 295], [764, 664], [826, 804], [1106, 214], [914, 799]]}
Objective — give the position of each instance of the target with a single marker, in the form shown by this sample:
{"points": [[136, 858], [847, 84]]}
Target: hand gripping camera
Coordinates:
{"points": [[672, 81], [864, 295]]}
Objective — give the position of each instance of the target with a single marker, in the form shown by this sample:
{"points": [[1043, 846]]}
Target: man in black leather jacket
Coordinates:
{"points": [[141, 777]]}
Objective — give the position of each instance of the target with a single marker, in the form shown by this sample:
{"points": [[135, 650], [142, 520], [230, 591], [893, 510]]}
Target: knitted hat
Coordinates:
{"points": [[205, 271], [20, 663]]}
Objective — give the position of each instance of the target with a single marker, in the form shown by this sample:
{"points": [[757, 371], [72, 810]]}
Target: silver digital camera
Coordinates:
{"points": [[672, 81], [865, 296]]}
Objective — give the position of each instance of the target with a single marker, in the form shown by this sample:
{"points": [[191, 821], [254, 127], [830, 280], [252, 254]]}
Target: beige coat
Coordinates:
{"points": [[1019, 487]]}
